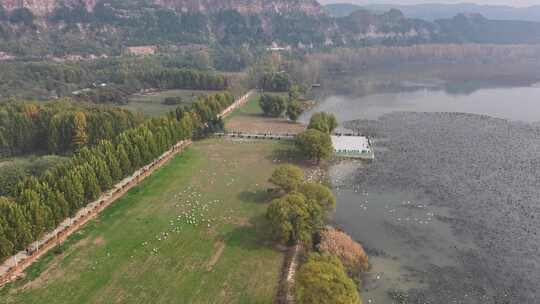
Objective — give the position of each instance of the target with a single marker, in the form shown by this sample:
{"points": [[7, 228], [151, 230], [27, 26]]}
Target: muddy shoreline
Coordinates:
{"points": [[470, 232]]}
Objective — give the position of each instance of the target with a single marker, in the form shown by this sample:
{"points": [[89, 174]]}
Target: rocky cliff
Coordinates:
{"points": [[310, 7], [38, 7]]}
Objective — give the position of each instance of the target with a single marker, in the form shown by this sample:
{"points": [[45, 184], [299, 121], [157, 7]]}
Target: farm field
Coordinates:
{"points": [[194, 232], [151, 104]]}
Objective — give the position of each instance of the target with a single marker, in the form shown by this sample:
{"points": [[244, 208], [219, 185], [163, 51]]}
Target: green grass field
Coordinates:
{"points": [[193, 232], [151, 105]]}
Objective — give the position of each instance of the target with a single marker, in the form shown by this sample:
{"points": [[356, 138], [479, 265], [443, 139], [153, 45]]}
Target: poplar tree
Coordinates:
{"points": [[72, 188], [92, 189], [102, 173], [79, 138], [40, 217], [109, 155], [123, 159], [6, 246], [17, 230]]}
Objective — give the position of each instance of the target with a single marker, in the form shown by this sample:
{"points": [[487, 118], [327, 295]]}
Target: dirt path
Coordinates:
{"points": [[286, 284]]}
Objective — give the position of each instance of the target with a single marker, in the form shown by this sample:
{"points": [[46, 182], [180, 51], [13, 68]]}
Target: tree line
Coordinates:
{"points": [[299, 215], [59, 127], [128, 82], [39, 204], [105, 80]]}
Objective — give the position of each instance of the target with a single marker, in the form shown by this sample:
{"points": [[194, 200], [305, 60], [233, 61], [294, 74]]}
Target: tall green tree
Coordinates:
{"points": [[90, 182], [320, 194], [287, 178], [293, 219], [108, 152], [6, 246], [123, 160], [103, 173], [72, 187], [79, 138], [17, 229], [324, 122], [315, 145], [40, 217]]}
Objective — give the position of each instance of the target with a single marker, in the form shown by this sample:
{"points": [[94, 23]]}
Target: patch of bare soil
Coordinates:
{"points": [[53, 271], [99, 241], [50, 274], [219, 247]]}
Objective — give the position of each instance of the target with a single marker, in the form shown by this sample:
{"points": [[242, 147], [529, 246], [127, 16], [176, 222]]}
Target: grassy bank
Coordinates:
{"points": [[194, 232], [249, 118]]}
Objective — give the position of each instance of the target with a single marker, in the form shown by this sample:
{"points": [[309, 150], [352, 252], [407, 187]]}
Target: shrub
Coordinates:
{"points": [[322, 280], [294, 110], [272, 105]]}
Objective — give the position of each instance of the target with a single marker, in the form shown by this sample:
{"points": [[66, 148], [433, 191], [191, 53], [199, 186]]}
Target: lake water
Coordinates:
{"points": [[444, 209], [518, 103]]}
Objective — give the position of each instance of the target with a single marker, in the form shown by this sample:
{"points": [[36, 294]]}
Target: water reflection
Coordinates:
{"points": [[516, 103]]}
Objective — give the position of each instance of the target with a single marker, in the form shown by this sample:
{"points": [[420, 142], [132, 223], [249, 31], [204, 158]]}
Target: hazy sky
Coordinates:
{"points": [[496, 2]]}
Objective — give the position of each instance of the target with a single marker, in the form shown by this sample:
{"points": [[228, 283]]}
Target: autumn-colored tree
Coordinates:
{"points": [[340, 244]]}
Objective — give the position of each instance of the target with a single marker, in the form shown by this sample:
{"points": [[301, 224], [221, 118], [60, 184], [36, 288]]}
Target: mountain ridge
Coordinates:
{"points": [[47, 7], [434, 11]]}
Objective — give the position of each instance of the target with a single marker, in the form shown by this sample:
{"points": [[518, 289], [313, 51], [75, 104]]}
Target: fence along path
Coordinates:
{"points": [[14, 266]]}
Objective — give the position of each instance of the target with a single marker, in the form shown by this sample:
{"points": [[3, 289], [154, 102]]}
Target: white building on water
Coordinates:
{"points": [[349, 146]]}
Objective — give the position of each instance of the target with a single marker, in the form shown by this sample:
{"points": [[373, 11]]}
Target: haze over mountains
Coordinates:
{"points": [[105, 27], [434, 11]]}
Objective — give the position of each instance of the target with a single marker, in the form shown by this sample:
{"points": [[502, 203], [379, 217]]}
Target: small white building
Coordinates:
{"points": [[352, 147]]}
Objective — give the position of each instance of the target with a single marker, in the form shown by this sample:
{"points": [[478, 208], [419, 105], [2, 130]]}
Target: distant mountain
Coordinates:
{"points": [[432, 12], [477, 29], [341, 9]]}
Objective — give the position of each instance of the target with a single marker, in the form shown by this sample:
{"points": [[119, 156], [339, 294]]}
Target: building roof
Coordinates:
{"points": [[350, 143]]}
